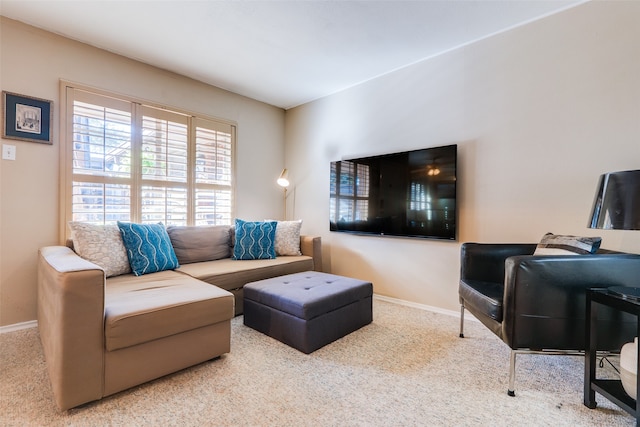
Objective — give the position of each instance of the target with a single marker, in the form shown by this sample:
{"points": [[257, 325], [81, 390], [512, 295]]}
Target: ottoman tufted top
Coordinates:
{"points": [[309, 294]]}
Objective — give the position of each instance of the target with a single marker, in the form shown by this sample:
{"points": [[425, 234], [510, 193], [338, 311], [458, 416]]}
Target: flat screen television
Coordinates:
{"points": [[409, 194]]}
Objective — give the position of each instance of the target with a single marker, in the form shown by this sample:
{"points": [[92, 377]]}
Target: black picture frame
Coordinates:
{"points": [[26, 118]]}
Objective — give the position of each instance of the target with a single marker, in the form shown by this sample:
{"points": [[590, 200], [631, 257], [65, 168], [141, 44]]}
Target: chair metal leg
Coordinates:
{"points": [[461, 320], [512, 373], [512, 361]]}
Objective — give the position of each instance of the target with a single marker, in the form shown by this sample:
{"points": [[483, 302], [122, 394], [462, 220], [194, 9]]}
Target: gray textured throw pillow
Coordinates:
{"points": [[554, 244], [288, 237], [102, 245]]}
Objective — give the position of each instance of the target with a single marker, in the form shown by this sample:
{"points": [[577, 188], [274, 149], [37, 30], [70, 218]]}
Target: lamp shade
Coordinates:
{"points": [[283, 180], [617, 202]]}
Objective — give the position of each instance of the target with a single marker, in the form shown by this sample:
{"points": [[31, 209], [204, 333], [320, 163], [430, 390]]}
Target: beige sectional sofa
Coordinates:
{"points": [[102, 335]]}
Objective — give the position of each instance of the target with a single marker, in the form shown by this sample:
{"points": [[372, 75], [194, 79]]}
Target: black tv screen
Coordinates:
{"points": [[411, 194]]}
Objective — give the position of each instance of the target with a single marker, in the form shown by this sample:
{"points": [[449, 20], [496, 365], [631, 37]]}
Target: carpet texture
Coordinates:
{"points": [[407, 368]]}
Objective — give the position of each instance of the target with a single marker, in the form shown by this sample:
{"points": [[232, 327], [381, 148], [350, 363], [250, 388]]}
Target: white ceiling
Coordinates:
{"points": [[284, 53]]}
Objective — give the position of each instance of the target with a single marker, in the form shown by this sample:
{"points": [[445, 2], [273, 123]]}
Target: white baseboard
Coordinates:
{"points": [[34, 323], [425, 307], [18, 326]]}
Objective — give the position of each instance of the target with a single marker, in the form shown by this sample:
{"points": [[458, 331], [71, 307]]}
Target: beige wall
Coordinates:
{"points": [[538, 113], [32, 62]]}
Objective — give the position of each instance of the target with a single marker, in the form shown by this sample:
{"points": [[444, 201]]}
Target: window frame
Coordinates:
{"points": [[67, 91]]}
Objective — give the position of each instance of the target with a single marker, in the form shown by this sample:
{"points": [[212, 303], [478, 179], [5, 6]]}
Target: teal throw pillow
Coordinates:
{"points": [[255, 240], [148, 247]]}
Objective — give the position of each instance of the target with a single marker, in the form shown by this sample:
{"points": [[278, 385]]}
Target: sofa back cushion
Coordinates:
{"points": [[200, 243]]}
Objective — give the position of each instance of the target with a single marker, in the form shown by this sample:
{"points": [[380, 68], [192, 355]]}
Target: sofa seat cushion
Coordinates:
{"points": [[484, 297], [232, 274], [139, 309]]}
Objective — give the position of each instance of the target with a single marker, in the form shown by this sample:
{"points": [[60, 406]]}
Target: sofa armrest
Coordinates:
{"points": [[312, 246], [485, 262], [71, 324], [542, 292]]}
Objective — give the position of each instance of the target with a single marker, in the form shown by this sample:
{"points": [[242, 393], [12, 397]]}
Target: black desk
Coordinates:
{"points": [[611, 389]]}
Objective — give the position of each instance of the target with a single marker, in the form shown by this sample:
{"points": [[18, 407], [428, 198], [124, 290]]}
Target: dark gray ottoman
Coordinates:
{"points": [[308, 310]]}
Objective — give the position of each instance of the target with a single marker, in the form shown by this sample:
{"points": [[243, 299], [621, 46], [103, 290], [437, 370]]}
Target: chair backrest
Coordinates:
{"points": [[485, 262]]}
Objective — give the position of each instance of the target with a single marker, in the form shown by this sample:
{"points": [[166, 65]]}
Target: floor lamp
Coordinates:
{"points": [[283, 182]]}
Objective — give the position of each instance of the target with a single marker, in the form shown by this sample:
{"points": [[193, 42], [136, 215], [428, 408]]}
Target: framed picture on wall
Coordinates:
{"points": [[26, 118]]}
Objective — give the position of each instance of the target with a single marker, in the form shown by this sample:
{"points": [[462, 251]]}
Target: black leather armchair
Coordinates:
{"points": [[536, 304]]}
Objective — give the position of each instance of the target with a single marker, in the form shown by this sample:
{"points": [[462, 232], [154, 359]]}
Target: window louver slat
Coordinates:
{"points": [[100, 203], [213, 207], [213, 157], [164, 150], [167, 205], [102, 140]]}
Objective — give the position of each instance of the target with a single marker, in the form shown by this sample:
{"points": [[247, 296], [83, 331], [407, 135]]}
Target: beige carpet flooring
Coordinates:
{"points": [[407, 368]]}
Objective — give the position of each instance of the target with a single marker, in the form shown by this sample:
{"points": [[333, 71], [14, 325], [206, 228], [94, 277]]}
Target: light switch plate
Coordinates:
{"points": [[8, 152]]}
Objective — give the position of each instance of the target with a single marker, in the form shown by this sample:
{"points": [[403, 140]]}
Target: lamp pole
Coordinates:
{"points": [[283, 181], [285, 203]]}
